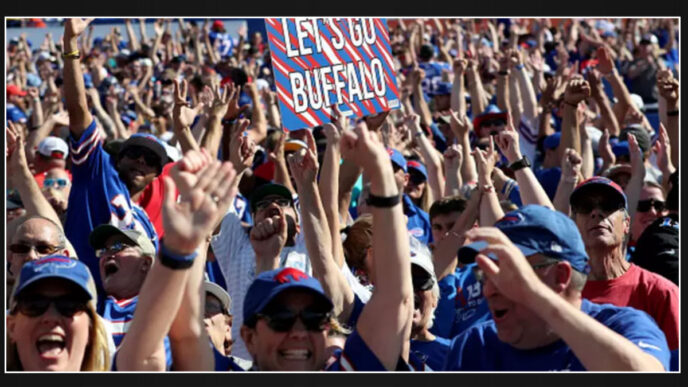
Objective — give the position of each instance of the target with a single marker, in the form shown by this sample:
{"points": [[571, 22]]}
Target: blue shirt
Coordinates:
{"points": [[461, 304], [418, 223], [98, 196], [120, 313], [433, 353], [549, 180], [433, 76], [479, 348]]}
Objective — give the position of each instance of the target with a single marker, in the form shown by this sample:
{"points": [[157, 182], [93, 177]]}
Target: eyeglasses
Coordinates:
{"points": [[40, 248], [263, 204], [35, 305], [645, 205], [113, 249], [283, 320], [60, 183], [480, 275], [134, 152], [608, 206]]}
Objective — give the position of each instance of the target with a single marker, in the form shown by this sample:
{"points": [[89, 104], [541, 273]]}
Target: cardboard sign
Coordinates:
{"points": [[320, 62]]}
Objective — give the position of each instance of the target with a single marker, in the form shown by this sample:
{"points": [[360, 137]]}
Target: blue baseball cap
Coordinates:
{"points": [[33, 80], [417, 166], [56, 266], [271, 284], [15, 114], [442, 88], [621, 148], [552, 141], [536, 229], [88, 81], [491, 111], [397, 159], [601, 183]]}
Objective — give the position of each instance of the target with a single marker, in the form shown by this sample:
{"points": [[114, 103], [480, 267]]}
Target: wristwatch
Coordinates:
{"points": [[520, 164]]}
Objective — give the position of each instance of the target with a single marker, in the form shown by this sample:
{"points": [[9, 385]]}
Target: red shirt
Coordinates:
{"points": [[643, 290], [151, 199]]}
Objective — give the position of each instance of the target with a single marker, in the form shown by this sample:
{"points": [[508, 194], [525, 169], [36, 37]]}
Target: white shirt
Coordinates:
{"points": [[237, 261]]}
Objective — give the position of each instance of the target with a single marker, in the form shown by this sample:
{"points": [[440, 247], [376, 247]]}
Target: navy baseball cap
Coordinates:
{"points": [[552, 141], [397, 159], [270, 189], [56, 266], [15, 114], [491, 112], [621, 148], [442, 88], [417, 166], [149, 141], [598, 183], [271, 284]]}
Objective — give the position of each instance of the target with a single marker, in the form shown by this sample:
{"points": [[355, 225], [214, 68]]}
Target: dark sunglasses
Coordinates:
{"points": [[645, 205], [134, 152], [283, 320], [422, 283], [490, 123], [50, 182], [608, 206], [41, 248], [480, 275], [263, 204], [416, 178], [35, 305], [114, 249]]}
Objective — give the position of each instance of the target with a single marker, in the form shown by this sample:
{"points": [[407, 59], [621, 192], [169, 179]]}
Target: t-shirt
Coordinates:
{"points": [[643, 290], [549, 180], [479, 348], [418, 223], [433, 353], [119, 314], [461, 303], [151, 199], [98, 196], [433, 76], [237, 260]]}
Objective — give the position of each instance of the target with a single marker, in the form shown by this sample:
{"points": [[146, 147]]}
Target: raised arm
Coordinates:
{"points": [[600, 97], [431, 157], [668, 90], [184, 116], [277, 157], [576, 91], [458, 100], [204, 187], [570, 176], [635, 184], [662, 150], [475, 86], [385, 322], [133, 40], [225, 106], [490, 210], [453, 160], [461, 125], [317, 233], [529, 186], [259, 127], [74, 91], [419, 104], [525, 87]]}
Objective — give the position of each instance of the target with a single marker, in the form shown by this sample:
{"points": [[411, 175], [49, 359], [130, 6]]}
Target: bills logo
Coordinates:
{"points": [[60, 261], [510, 219], [416, 232], [289, 275]]}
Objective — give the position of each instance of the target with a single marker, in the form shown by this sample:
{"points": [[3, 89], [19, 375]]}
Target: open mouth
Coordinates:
{"points": [[50, 345], [296, 354], [499, 314], [110, 268]]}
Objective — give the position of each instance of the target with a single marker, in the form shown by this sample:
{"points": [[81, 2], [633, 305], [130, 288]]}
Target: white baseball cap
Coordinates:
{"points": [[421, 256], [217, 291], [53, 147]]}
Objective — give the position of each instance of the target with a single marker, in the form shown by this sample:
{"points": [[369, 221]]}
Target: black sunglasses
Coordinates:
{"points": [[489, 123], [608, 206], [41, 248], [263, 204], [283, 320], [645, 205], [35, 305], [134, 152], [422, 283]]}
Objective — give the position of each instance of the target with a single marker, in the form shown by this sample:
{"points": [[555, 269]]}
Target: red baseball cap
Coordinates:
{"points": [[218, 25], [15, 90]]}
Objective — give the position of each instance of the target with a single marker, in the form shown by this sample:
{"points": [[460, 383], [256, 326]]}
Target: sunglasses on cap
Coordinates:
{"points": [[41, 248], [134, 152], [282, 320], [608, 206], [58, 183], [646, 205], [35, 305], [265, 203], [113, 249]]}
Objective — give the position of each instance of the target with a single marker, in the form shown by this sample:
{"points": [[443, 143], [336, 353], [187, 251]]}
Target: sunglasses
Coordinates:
{"points": [[41, 248], [263, 204], [35, 305], [134, 152], [113, 249], [646, 205], [60, 183], [422, 283], [607, 206], [283, 320], [490, 123]]}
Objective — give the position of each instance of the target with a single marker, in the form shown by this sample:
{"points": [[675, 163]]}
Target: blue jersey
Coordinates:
{"points": [[433, 76], [98, 196], [418, 223], [120, 313], [479, 348], [224, 363], [225, 45], [461, 303], [433, 353]]}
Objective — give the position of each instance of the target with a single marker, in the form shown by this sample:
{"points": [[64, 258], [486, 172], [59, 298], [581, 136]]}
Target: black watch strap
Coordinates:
{"points": [[520, 164]]}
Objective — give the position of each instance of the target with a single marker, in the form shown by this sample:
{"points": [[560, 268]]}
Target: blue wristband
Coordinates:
{"points": [[175, 261], [520, 66]]}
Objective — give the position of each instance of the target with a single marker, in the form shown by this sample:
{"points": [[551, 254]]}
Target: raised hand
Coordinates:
{"points": [[304, 167], [595, 81], [333, 133], [636, 155], [362, 147], [338, 119], [459, 125], [508, 142], [453, 158], [662, 149], [668, 89], [182, 113], [242, 149], [191, 220], [158, 28], [460, 66], [605, 149], [485, 162], [571, 164], [375, 122], [76, 26], [61, 118], [268, 238], [576, 91], [604, 60]]}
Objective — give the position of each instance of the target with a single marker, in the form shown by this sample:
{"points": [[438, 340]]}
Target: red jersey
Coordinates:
{"points": [[643, 290], [151, 199]]}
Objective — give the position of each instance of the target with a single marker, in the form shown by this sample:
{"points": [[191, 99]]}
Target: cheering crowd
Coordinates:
{"points": [[518, 212]]}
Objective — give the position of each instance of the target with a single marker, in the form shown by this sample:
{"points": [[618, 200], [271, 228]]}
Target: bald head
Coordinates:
{"points": [[36, 237]]}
